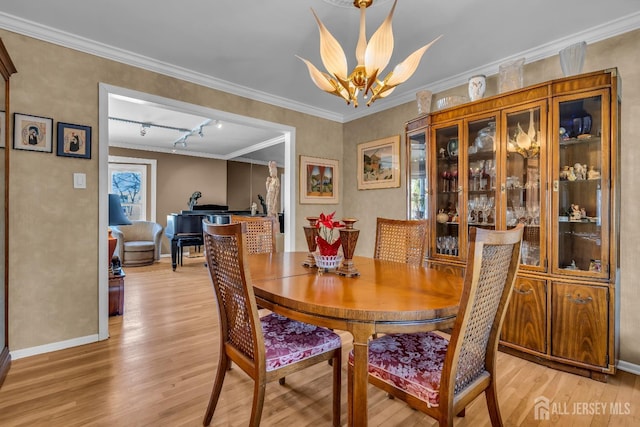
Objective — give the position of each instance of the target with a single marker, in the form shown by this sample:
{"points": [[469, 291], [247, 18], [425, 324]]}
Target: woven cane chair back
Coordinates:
{"points": [[266, 348], [444, 376], [238, 309], [261, 233], [401, 240], [494, 260]]}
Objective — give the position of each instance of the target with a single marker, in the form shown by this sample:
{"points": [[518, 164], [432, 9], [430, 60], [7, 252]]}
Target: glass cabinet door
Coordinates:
{"points": [[448, 188], [524, 180], [580, 165], [482, 173], [417, 178]]}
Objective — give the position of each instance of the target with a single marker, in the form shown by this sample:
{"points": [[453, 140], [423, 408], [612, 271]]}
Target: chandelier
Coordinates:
{"points": [[372, 58]]}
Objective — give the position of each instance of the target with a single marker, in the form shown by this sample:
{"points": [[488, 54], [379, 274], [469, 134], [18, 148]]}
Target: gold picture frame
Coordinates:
{"points": [[319, 180], [379, 163]]}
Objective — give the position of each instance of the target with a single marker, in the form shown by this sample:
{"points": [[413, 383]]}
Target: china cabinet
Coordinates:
{"points": [[545, 156], [6, 70]]}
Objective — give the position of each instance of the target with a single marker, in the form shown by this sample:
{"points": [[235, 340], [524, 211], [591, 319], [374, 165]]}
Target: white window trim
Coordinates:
{"points": [[151, 197]]}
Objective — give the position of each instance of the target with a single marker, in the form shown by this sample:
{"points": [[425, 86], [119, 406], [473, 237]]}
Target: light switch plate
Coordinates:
{"points": [[79, 180]]}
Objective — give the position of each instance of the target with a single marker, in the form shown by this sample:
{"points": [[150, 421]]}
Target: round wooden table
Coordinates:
{"points": [[387, 297]]}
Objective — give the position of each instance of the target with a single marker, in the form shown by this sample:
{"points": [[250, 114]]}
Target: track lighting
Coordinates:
{"points": [[143, 128]]}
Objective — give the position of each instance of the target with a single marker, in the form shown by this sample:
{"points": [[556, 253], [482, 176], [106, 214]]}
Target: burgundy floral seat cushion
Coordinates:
{"points": [[288, 341], [411, 362]]}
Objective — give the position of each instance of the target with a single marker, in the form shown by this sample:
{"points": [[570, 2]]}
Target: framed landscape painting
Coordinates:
{"points": [[319, 180], [379, 163]]}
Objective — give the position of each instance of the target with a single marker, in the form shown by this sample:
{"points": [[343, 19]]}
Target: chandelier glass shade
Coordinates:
{"points": [[372, 58]]}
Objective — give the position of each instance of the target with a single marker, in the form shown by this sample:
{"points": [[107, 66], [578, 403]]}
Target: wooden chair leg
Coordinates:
{"points": [[492, 405], [337, 385], [350, 394], [217, 388], [258, 402]]}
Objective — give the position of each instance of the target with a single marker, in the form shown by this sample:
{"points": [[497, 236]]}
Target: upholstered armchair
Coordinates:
{"points": [[138, 243]]}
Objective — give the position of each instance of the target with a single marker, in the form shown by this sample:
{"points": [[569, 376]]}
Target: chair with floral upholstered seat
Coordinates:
{"points": [[441, 377], [401, 240], [266, 348]]}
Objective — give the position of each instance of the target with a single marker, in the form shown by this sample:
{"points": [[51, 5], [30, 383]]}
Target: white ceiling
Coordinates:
{"points": [[248, 47]]}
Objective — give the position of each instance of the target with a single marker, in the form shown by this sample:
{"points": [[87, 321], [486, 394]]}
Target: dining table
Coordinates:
{"points": [[387, 297]]}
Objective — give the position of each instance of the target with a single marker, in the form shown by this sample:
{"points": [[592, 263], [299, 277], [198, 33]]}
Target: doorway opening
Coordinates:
{"points": [[107, 92]]}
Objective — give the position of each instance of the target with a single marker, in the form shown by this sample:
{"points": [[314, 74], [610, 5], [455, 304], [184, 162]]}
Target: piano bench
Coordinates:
{"points": [[184, 242]]}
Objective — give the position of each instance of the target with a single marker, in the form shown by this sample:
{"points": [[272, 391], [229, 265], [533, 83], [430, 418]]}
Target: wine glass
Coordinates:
{"points": [[487, 208]]}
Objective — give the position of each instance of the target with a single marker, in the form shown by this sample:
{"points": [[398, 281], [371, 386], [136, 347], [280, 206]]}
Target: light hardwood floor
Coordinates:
{"points": [[157, 369]]}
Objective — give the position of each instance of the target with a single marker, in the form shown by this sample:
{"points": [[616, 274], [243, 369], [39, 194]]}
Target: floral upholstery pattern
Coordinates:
{"points": [[288, 341], [411, 362]]}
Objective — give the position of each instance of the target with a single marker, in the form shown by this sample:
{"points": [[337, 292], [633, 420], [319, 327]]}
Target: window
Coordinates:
{"points": [[130, 182]]}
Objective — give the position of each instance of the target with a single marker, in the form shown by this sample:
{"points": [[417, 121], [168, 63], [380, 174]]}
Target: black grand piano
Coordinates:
{"points": [[185, 229]]}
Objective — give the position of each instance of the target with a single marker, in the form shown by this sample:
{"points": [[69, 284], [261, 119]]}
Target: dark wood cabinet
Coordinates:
{"points": [[546, 156], [525, 323], [6, 70], [580, 323]]}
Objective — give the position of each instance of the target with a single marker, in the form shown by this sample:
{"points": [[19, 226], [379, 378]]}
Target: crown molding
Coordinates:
{"points": [[593, 35], [48, 34]]}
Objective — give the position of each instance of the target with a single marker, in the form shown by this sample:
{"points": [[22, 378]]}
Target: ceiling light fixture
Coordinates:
{"points": [[372, 59], [181, 141], [143, 128]]}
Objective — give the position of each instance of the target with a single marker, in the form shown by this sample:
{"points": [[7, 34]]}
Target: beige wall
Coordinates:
{"points": [[53, 283], [53, 302]]}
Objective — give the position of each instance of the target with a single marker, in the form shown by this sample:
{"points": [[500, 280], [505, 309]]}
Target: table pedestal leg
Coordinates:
{"points": [[357, 385]]}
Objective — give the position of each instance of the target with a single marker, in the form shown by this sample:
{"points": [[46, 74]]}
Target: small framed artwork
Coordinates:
{"points": [[32, 133], [379, 163], [319, 180], [3, 131], [74, 140]]}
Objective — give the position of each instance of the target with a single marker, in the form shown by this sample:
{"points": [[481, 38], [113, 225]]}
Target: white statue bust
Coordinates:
{"points": [[273, 189]]}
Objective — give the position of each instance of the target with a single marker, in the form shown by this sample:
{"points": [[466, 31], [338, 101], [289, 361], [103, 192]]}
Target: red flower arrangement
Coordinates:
{"points": [[327, 243]]}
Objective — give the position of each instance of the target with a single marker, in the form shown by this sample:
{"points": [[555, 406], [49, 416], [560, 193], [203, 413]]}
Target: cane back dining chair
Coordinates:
{"points": [[401, 240], [266, 348], [441, 377], [261, 233]]}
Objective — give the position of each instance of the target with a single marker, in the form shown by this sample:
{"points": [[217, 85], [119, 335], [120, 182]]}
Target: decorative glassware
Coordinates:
{"points": [[310, 233], [477, 87], [423, 99], [510, 75], [572, 58], [349, 239], [325, 263]]}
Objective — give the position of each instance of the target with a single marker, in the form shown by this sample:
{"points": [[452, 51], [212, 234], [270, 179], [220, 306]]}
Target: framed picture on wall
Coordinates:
{"points": [[319, 179], [74, 141], [32, 133], [379, 163]]}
